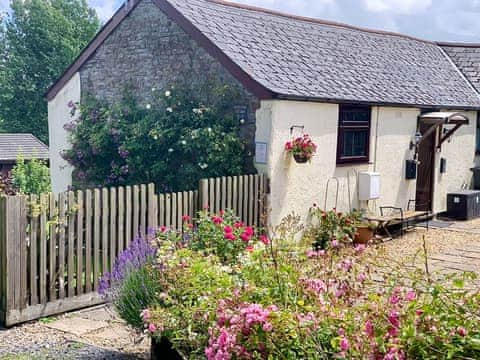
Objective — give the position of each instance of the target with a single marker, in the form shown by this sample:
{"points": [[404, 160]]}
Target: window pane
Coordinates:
{"points": [[354, 114], [478, 139], [355, 143]]}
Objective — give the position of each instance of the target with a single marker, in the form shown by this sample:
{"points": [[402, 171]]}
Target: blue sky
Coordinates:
{"points": [[447, 20]]}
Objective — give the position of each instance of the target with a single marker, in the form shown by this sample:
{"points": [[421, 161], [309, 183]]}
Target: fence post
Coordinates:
{"points": [[203, 194], [13, 257]]}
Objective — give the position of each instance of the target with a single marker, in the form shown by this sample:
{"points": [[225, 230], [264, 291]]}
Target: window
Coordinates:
{"points": [[353, 134], [477, 148]]}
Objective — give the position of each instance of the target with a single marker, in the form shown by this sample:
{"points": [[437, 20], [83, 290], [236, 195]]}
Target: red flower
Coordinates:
{"points": [[227, 229], [249, 248], [186, 218]]}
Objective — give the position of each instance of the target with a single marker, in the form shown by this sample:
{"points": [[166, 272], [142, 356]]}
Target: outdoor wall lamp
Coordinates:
{"points": [[416, 140]]}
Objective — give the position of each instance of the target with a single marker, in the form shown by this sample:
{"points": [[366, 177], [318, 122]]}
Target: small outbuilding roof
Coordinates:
{"points": [[278, 55], [11, 145]]}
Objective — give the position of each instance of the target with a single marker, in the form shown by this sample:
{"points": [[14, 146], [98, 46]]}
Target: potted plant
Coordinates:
{"points": [[365, 231], [302, 148]]}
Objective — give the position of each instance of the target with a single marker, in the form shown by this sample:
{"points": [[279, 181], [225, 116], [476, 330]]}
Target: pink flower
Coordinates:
{"points": [[152, 328], [335, 244], [249, 231], [245, 237], [461, 331], [229, 236], [344, 345], [145, 314], [186, 218], [411, 295], [227, 229], [238, 225], [369, 328], [163, 229], [360, 248], [264, 239], [361, 277], [249, 248], [419, 312], [394, 318], [217, 220]]}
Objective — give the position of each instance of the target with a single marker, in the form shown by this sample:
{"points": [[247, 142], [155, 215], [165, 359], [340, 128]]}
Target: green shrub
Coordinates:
{"points": [[174, 141], [31, 177]]}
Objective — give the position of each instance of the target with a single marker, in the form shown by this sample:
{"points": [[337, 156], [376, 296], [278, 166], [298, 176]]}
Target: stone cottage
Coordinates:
{"points": [[371, 100]]}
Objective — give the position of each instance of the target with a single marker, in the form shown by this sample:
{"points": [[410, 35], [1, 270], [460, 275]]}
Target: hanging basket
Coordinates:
{"points": [[300, 159]]}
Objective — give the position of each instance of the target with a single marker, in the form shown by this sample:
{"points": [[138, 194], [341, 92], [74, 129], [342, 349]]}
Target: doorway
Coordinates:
{"points": [[426, 166]]}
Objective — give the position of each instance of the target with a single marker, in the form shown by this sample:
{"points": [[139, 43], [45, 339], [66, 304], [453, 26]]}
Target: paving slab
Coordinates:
{"points": [[77, 325]]}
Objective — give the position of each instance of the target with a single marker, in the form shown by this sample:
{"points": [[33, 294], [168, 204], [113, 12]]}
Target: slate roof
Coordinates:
{"points": [[467, 59], [28, 145], [284, 56], [298, 57]]}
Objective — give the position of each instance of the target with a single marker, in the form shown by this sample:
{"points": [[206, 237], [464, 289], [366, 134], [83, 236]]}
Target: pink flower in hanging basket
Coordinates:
{"points": [[302, 148]]}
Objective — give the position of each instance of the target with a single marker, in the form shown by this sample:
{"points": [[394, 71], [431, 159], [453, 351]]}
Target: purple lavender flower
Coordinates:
{"points": [[139, 253]]}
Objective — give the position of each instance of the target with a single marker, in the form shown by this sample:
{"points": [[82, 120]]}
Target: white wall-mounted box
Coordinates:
{"points": [[368, 185]]}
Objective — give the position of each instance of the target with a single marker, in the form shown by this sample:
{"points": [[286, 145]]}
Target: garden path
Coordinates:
{"points": [[95, 333]]}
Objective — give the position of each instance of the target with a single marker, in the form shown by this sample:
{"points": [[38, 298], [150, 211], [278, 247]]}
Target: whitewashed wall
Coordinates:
{"points": [[295, 187], [58, 116]]}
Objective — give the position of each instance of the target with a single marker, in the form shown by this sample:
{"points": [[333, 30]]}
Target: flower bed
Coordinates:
{"points": [[225, 291]]}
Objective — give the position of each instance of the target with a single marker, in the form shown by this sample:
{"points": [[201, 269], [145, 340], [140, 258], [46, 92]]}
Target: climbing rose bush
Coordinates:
{"points": [[173, 141], [285, 300]]}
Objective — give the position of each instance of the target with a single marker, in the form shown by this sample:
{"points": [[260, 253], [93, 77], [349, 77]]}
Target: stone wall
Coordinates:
{"points": [[148, 50]]}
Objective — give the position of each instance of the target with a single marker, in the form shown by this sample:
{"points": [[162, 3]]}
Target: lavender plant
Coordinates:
{"points": [[133, 284]]}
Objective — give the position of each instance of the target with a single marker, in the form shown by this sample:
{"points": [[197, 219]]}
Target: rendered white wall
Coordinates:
{"points": [[460, 155], [58, 116], [295, 187]]}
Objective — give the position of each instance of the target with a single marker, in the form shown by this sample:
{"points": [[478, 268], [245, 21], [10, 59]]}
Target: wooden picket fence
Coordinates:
{"points": [[53, 249]]}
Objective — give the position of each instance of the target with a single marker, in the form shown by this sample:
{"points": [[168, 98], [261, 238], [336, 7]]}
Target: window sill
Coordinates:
{"points": [[354, 163]]}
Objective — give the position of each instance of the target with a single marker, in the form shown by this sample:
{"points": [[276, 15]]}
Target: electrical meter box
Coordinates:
{"points": [[368, 185]]}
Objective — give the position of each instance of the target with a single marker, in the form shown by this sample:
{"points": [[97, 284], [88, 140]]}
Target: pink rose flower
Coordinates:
{"points": [[152, 328], [461, 331], [411, 295], [264, 239], [227, 229], [344, 344]]}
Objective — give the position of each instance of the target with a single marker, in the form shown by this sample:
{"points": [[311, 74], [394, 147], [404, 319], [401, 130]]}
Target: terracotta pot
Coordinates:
{"points": [[300, 158], [364, 235], [162, 349]]}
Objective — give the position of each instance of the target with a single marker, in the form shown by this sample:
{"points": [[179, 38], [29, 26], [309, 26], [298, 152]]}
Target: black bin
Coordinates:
{"points": [[476, 177], [463, 205]]}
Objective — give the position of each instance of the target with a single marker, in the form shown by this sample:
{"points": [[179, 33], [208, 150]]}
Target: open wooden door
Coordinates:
{"points": [[425, 172]]}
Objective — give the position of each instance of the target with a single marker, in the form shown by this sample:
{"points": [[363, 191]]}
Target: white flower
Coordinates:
{"points": [[209, 129], [183, 142], [242, 121], [155, 137], [203, 166], [168, 93], [169, 109], [154, 89], [148, 106], [170, 150], [197, 111]]}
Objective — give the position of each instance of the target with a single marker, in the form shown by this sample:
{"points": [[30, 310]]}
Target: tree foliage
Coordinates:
{"points": [[173, 141], [39, 39]]}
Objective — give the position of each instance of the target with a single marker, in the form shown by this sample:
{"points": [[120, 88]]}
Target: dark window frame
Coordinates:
{"points": [[344, 124], [477, 135]]}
